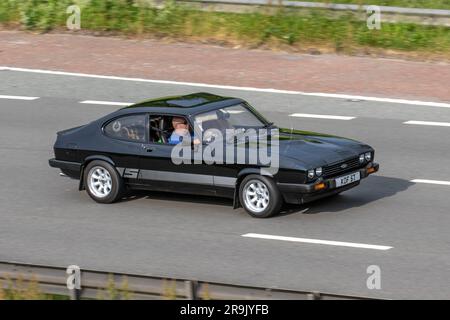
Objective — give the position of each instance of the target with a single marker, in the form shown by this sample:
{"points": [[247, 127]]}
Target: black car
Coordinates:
{"points": [[133, 148]]}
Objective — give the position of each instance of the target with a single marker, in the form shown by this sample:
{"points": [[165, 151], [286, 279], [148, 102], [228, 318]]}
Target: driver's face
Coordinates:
{"points": [[179, 123]]}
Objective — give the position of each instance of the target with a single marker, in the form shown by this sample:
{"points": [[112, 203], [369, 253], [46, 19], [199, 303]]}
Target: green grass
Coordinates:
{"points": [[131, 17], [429, 4], [20, 289], [29, 289]]}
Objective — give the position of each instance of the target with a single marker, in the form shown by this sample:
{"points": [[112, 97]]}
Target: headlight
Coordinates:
{"points": [[311, 173], [319, 171], [361, 158], [368, 156]]}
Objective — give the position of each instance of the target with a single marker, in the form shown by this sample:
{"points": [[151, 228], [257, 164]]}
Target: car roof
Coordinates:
{"points": [[184, 104]]}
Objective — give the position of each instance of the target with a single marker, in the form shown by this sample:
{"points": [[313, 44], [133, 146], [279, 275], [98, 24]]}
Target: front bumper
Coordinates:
{"points": [[303, 193]]}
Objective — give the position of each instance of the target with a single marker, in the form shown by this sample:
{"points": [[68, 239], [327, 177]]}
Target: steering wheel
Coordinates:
{"points": [[161, 133]]}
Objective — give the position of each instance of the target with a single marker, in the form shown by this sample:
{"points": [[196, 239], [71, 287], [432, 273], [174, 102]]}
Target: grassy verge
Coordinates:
{"points": [[284, 29], [29, 289], [26, 289], [427, 4], [21, 289]]}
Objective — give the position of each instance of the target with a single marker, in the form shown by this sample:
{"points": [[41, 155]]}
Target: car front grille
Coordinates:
{"points": [[341, 167]]}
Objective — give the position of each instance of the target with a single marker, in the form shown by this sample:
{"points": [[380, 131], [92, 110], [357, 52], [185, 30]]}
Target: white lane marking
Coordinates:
{"points": [[268, 90], [18, 97], [192, 84], [317, 241], [377, 99], [320, 116], [109, 103], [444, 183], [428, 123]]}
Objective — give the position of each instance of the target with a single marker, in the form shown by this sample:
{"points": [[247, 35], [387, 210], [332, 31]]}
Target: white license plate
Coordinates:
{"points": [[342, 181]]}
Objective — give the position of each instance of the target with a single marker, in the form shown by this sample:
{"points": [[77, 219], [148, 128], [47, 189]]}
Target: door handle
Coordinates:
{"points": [[146, 148]]}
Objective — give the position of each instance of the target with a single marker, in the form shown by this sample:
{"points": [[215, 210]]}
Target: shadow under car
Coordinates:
{"points": [[375, 188]]}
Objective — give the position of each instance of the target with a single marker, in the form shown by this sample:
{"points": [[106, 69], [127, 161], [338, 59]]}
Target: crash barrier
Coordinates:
{"points": [[63, 281], [388, 14]]}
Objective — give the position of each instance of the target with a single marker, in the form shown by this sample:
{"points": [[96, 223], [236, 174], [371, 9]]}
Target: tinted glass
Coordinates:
{"points": [[131, 128]]}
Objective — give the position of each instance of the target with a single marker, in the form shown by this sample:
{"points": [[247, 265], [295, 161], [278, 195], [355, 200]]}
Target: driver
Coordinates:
{"points": [[181, 131]]}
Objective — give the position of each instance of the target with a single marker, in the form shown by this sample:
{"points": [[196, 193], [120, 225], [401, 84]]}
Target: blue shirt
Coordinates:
{"points": [[176, 138]]}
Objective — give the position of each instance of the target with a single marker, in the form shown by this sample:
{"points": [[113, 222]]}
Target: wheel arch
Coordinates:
{"points": [[86, 162], [241, 175]]}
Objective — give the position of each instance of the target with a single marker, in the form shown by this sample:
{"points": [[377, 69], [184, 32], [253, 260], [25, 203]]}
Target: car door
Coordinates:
{"points": [[161, 168]]}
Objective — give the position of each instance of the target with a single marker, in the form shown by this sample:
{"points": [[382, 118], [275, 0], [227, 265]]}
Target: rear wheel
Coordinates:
{"points": [[103, 182], [260, 196]]}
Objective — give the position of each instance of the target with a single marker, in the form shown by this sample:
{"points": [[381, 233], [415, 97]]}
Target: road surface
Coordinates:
{"points": [[44, 219]]}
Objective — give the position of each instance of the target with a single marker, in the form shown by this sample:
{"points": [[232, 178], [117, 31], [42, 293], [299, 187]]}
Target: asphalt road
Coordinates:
{"points": [[45, 220]]}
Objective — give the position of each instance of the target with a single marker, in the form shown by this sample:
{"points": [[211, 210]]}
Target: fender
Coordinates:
{"points": [[98, 157], [81, 186], [247, 171]]}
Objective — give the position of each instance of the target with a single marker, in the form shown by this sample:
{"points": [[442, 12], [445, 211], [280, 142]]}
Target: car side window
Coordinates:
{"points": [[130, 128], [162, 129]]}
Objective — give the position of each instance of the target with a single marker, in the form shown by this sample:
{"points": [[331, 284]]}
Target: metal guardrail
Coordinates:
{"points": [[333, 6], [53, 280], [389, 14]]}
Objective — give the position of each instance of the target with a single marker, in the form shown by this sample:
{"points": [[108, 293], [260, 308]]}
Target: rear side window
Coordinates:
{"points": [[130, 128]]}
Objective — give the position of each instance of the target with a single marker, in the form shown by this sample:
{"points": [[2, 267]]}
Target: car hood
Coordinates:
{"points": [[311, 149]]}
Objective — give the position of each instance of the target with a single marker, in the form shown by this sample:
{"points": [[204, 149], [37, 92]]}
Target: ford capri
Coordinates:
{"points": [[205, 144]]}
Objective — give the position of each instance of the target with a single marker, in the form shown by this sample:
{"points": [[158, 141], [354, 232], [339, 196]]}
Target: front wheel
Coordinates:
{"points": [[260, 196], [103, 182]]}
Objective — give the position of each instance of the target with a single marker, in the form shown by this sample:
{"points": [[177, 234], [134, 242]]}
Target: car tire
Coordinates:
{"points": [[102, 181], [259, 196]]}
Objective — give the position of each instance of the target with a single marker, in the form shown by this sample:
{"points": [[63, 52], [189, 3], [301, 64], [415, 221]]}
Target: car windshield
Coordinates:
{"points": [[233, 117]]}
